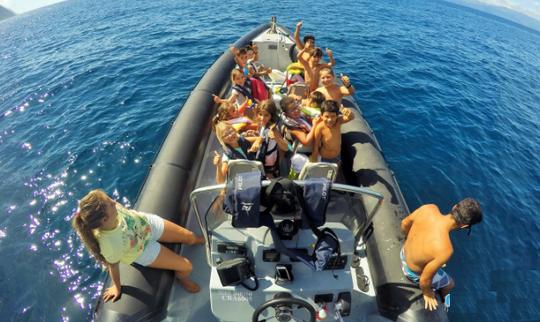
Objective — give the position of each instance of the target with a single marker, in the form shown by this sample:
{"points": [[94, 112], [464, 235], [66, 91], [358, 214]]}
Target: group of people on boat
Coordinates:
{"points": [[249, 125]]}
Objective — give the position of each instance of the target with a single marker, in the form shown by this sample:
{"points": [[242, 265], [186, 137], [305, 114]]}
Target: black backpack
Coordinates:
{"points": [[283, 196]]}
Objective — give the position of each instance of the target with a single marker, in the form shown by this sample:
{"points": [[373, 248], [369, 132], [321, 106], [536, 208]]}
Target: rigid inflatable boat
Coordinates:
{"points": [[364, 283]]}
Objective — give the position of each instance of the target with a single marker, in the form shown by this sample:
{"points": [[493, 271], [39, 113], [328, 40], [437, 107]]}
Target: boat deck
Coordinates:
{"points": [[184, 306]]}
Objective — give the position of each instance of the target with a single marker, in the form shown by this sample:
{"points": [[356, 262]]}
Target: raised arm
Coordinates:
{"points": [[234, 51], [281, 142], [115, 291], [297, 40], [332, 61], [306, 138], [347, 115], [347, 88], [305, 63], [231, 99], [301, 59], [221, 168]]}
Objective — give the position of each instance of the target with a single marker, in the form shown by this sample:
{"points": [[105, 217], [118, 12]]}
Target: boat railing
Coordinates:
{"points": [[218, 187]]}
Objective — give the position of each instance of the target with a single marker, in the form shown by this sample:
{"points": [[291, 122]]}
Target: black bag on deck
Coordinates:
{"points": [[235, 271], [242, 200], [281, 196], [327, 245]]}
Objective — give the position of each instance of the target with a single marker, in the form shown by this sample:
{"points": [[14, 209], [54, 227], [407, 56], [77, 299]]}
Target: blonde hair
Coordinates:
{"points": [[327, 70], [220, 128], [92, 210], [235, 73]]}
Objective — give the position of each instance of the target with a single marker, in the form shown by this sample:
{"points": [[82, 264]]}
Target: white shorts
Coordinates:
{"points": [[151, 251]]}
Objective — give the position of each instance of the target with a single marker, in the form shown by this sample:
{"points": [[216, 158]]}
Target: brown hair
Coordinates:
{"points": [[317, 52], [92, 210], [223, 113], [330, 106], [287, 103], [467, 212], [269, 106], [317, 98]]}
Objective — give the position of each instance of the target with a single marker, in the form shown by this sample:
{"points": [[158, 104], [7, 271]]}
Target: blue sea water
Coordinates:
{"points": [[88, 90]]}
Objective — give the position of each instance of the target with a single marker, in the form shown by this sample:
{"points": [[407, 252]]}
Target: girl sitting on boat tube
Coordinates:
{"points": [[114, 234], [234, 146], [268, 138]]}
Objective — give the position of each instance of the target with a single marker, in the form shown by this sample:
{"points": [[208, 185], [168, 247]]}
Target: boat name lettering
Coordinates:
{"points": [[239, 183], [236, 296], [325, 190]]}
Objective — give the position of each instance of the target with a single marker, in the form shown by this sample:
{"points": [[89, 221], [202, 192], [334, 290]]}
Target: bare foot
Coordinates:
{"points": [[189, 285]]}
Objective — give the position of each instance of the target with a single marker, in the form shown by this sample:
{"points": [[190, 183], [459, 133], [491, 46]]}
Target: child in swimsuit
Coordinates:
{"points": [[308, 44], [313, 65], [114, 234], [330, 89], [327, 137]]}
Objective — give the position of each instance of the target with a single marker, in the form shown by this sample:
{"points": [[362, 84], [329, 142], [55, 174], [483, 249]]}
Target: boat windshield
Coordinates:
{"points": [[352, 206]]}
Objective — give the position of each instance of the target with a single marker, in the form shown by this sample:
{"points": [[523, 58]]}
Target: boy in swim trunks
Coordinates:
{"points": [[327, 137], [428, 247], [330, 89], [313, 65], [308, 44]]}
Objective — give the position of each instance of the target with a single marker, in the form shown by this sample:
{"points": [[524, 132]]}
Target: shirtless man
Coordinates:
{"points": [[308, 44], [330, 89], [314, 65], [327, 137], [428, 246]]}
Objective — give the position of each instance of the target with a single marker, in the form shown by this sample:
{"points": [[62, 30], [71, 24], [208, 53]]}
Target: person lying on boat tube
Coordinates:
{"points": [[114, 234], [428, 246]]}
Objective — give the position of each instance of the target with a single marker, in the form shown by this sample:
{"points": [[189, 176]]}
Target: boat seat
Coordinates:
{"points": [[319, 170], [239, 166], [300, 90]]}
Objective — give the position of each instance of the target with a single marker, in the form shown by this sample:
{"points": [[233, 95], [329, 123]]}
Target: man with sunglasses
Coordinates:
{"points": [[428, 246]]}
